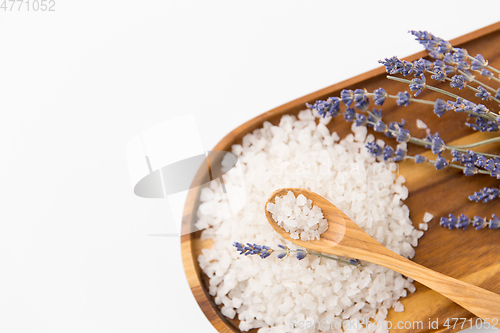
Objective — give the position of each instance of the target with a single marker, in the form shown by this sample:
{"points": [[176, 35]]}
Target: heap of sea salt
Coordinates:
{"points": [[298, 216]]}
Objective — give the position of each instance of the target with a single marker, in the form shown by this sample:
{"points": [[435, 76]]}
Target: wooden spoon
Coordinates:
{"points": [[345, 238]]}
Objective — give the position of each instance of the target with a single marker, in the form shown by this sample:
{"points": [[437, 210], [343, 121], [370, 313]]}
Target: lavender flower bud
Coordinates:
{"points": [[458, 81], [347, 97], [374, 148], [399, 155], [379, 96], [439, 107], [420, 159], [441, 163], [403, 98], [483, 93], [349, 114], [388, 152], [478, 63]]}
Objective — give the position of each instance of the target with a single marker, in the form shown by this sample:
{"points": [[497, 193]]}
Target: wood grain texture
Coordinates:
{"points": [[345, 238], [469, 255]]}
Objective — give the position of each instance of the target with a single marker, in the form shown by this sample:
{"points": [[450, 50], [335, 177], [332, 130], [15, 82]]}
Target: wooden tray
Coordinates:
{"points": [[469, 255]]}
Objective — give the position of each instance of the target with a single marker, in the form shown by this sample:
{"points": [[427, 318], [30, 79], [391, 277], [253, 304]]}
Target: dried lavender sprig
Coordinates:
{"points": [[331, 107], [439, 163], [466, 76], [433, 142], [484, 195], [437, 48], [439, 72], [471, 158], [484, 125], [488, 114], [462, 222], [265, 251]]}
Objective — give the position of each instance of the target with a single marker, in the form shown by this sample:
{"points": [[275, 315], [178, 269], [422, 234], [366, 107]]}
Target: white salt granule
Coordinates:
{"points": [[298, 216], [428, 217], [421, 124], [423, 226], [270, 293]]}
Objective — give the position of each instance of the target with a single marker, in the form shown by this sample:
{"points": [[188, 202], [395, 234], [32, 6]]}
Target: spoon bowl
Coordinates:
{"points": [[345, 238]]}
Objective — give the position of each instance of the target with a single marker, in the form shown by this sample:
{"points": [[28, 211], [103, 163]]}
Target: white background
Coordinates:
{"points": [[78, 83]]}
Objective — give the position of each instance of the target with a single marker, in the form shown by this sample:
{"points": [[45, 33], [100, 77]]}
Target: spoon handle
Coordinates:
{"points": [[481, 302]]}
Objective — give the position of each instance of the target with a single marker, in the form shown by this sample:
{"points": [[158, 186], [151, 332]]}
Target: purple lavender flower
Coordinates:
{"points": [[494, 222], [429, 41], [480, 109], [374, 148], [359, 95], [463, 222], [484, 195], [377, 114], [486, 72], [395, 66], [403, 135], [483, 93], [420, 159], [403, 98], [380, 126], [355, 262], [467, 75], [330, 107], [481, 161], [429, 137], [379, 96], [349, 114], [301, 254], [418, 85], [347, 97], [263, 251], [458, 81], [479, 222], [362, 104], [404, 67], [460, 55], [399, 155], [440, 163], [360, 120], [478, 63], [439, 75], [421, 65], [388, 152], [334, 106], [282, 255], [464, 158], [439, 107], [443, 46], [448, 58], [438, 144], [394, 127], [450, 222], [470, 169], [483, 125], [389, 64]]}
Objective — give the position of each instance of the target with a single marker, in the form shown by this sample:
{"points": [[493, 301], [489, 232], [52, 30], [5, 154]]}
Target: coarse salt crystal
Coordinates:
{"points": [[421, 124], [428, 217]]}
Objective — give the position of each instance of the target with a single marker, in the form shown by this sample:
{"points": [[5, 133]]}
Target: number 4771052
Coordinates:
{"points": [[28, 5]]}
